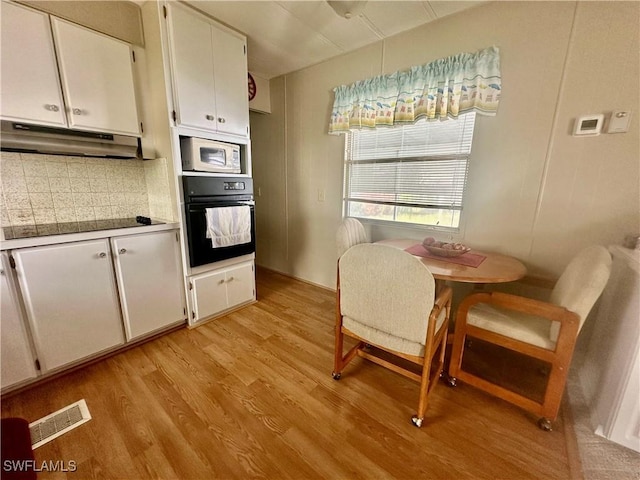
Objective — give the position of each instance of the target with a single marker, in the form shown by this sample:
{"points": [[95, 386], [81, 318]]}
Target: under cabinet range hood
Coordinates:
{"points": [[16, 136]]}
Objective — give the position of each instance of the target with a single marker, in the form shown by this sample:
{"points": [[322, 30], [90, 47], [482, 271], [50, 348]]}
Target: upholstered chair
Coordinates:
{"points": [[350, 232], [386, 301], [546, 331]]}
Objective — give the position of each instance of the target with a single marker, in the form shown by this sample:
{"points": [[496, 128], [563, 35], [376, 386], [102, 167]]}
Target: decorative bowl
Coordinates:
{"points": [[446, 252]]}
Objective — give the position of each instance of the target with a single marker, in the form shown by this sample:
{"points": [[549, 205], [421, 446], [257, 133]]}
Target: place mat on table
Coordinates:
{"points": [[468, 259]]}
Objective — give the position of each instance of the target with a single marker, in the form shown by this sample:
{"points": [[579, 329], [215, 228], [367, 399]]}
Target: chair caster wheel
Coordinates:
{"points": [[452, 382], [336, 376], [417, 421], [545, 424]]}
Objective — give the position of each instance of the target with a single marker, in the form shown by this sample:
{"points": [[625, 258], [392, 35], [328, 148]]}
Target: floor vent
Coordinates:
{"points": [[54, 425]]}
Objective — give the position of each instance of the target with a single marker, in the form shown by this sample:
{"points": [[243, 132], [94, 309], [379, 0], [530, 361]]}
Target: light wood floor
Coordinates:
{"points": [[251, 396]]}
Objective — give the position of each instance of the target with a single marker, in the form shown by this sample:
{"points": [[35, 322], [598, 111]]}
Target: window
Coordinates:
{"points": [[412, 174]]}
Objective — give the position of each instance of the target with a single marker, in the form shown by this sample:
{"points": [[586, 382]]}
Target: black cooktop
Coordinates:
{"points": [[26, 231]]}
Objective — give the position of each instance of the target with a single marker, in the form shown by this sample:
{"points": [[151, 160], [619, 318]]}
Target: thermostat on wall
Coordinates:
{"points": [[589, 125]]}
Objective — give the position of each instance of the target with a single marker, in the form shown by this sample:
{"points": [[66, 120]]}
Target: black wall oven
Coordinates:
{"points": [[203, 193]]}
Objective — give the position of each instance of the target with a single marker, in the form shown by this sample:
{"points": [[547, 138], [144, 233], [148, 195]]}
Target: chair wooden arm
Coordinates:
{"points": [[569, 321], [546, 310], [444, 296]]}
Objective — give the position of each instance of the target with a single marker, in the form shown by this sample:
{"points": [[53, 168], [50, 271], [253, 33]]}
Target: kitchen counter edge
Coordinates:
{"points": [[81, 236]]}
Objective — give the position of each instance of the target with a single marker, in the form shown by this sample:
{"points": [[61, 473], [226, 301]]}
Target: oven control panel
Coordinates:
{"points": [[234, 186], [196, 188]]}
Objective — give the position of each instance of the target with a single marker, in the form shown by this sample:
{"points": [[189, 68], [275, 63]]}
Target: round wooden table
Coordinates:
{"points": [[495, 268]]}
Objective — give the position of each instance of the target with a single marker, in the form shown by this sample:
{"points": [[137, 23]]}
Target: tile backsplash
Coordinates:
{"points": [[40, 189], [157, 174]]}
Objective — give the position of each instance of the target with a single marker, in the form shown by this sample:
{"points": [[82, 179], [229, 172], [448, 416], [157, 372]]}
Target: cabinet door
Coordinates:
{"points": [[192, 67], [240, 285], [209, 294], [17, 360], [150, 281], [230, 70], [97, 80], [30, 89], [70, 295]]}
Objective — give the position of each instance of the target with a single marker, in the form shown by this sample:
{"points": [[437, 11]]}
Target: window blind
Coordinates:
{"points": [[420, 166]]}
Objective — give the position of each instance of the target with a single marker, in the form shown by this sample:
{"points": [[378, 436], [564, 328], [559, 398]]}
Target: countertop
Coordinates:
{"points": [[80, 236]]}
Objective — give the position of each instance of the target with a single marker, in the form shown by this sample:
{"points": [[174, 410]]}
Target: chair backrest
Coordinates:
{"points": [[350, 232], [388, 289], [581, 283]]}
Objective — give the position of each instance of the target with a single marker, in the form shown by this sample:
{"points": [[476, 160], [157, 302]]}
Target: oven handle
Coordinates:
{"points": [[198, 207], [218, 201]]}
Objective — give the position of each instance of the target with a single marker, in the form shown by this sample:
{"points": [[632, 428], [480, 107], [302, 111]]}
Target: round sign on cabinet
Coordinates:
{"points": [[252, 88]]}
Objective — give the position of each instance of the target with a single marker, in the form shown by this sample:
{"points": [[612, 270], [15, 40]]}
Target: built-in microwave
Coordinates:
{"points": [[202, 155]]}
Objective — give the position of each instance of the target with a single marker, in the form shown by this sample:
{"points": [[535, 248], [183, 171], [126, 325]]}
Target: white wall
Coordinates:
{"points": [[534, 191]]}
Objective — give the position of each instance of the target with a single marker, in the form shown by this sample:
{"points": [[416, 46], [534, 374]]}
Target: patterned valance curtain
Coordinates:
{"points": [[439, 89]]}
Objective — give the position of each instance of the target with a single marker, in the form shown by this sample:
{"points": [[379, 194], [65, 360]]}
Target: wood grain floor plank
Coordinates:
{"points": [[152, 464]]}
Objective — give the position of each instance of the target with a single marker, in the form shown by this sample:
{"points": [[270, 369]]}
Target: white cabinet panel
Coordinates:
{"points": [[192, 59], [70, 295], [209, 68], [209, 294], [150, 281], [30, 88], [610, 373], [17, 361], [230, 70], [240, 284], [97, 79], [219, 290]]}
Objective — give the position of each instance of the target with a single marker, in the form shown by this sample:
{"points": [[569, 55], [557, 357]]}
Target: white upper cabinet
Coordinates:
{"points": [[97, 80], [230, 73], [92, 72], [192, 59], [30, 88], [209, 67]]}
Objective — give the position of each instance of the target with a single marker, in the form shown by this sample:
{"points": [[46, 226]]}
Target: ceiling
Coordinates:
{"points": [[289, 35]]}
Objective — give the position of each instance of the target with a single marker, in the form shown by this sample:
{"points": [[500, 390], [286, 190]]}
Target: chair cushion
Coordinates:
{"points": [[392, 342], [387, 289], [350, 232], [581, 283], [525, 327]]}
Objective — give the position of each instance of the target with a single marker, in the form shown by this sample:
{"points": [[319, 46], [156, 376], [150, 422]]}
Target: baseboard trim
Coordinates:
{"points": [[286, 274]]}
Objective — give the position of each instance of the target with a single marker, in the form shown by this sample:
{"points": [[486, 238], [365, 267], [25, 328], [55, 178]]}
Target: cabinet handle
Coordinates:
{"points": [[122, 250], [102, 254], [221, 120], [231, 279], [77, 111], [221, 282], [52, 108], [209, 117]]}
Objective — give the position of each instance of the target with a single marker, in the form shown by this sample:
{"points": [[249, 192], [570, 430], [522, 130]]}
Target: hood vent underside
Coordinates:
{"points": [[61, 141]]}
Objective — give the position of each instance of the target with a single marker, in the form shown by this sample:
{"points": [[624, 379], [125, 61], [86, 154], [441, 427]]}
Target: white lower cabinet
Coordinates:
{"points": [[85, 298], [17, 362], [219, 290], [71, 299], [150, 280]]}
